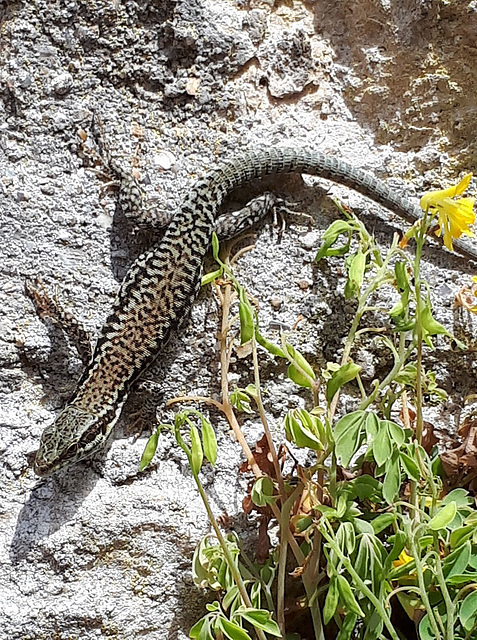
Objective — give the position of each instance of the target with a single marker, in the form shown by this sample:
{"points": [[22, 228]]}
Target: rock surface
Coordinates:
{"points": [[102, 550]]}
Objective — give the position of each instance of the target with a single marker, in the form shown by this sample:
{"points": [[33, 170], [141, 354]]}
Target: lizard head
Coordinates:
{"points": [[70, 438]]}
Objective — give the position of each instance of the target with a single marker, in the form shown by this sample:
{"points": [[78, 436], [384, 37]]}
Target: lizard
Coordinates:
{"points": [[161, 285]]}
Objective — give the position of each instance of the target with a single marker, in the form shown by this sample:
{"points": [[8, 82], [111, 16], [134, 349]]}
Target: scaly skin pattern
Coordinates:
{"points": [[160, 287]]}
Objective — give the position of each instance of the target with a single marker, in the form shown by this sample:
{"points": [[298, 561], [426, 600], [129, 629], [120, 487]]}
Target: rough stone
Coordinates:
{"points": [[101, 549]]}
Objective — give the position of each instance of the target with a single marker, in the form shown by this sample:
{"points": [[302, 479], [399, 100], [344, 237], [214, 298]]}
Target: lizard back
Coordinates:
{"points": [[160, 287]]}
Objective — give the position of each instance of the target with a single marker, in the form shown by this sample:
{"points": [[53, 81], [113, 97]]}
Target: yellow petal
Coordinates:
{"points": [[434, 198], [454, 216], [404, 558], [463, 184]]}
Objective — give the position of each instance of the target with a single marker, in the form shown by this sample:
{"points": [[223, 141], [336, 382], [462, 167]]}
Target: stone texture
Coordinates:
{"points": [[103, 551]]}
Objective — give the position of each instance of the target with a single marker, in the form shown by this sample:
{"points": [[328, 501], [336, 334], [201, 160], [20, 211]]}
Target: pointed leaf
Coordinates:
{"points": [[382, 447], [372, 425], [349, 434], [211, 276], [299, 369], [348, 626], [347, 596], [468, 611], [150, 449], [232, 630], [396, 432], [197, 455], [269, 346], [410, 467], [215, 246], [247, 315], [356, 271], [332, 598], [345, 374], [260, 619], [262, 492], [443, 517], [392, 479], [210, 441], [331, 235]]}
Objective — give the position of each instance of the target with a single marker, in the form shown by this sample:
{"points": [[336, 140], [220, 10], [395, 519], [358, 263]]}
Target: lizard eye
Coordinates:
{"points": [[71, 451]]}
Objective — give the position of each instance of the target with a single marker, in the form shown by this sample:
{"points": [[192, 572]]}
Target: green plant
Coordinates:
{"points": [[368, 523]]}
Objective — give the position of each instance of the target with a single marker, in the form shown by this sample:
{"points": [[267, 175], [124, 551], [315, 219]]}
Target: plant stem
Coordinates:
{"points": [[361, 585], [415, 553], [450, 606], [263, 418], [379, 279], [228, 556]]}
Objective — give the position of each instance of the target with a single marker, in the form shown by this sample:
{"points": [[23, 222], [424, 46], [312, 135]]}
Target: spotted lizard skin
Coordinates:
{"points": [[161, 285]]}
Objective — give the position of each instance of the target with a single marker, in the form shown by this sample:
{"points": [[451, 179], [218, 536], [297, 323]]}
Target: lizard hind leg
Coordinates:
{"points": [[47, 306]]}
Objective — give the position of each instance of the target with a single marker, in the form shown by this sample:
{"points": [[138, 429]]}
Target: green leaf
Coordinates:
{"points": [[369, 560], [211, 276], [241, 400], [331, 235], [304, 429], [410, 467], [468, 611], [256, 594], [345, 374], [262, 492], [392, 479], [357, 266], [399, 542], [150, 449], [398, 312], [231, 630], [396, 432], [461, 579], [348, 423], [215, 246], [430, 326], [457, 562], [382, 447], [382, 522], [461, 535], [425, 629], [269, 346], [247, 315], [401, 274], [348, 626], [346, 538], [201, 630], [210, 441], [374, 627], [364, 487], [299, 370], [362, 562], [232, 594], [372, 425], [332, 598], [443, 517], [197, 455], [349, 434], [347, 596], [459, 496], [362, 526], [260, 619]]}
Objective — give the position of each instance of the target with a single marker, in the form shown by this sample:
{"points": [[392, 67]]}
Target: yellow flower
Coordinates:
{"points": [[454, 217], [404, 558]]}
